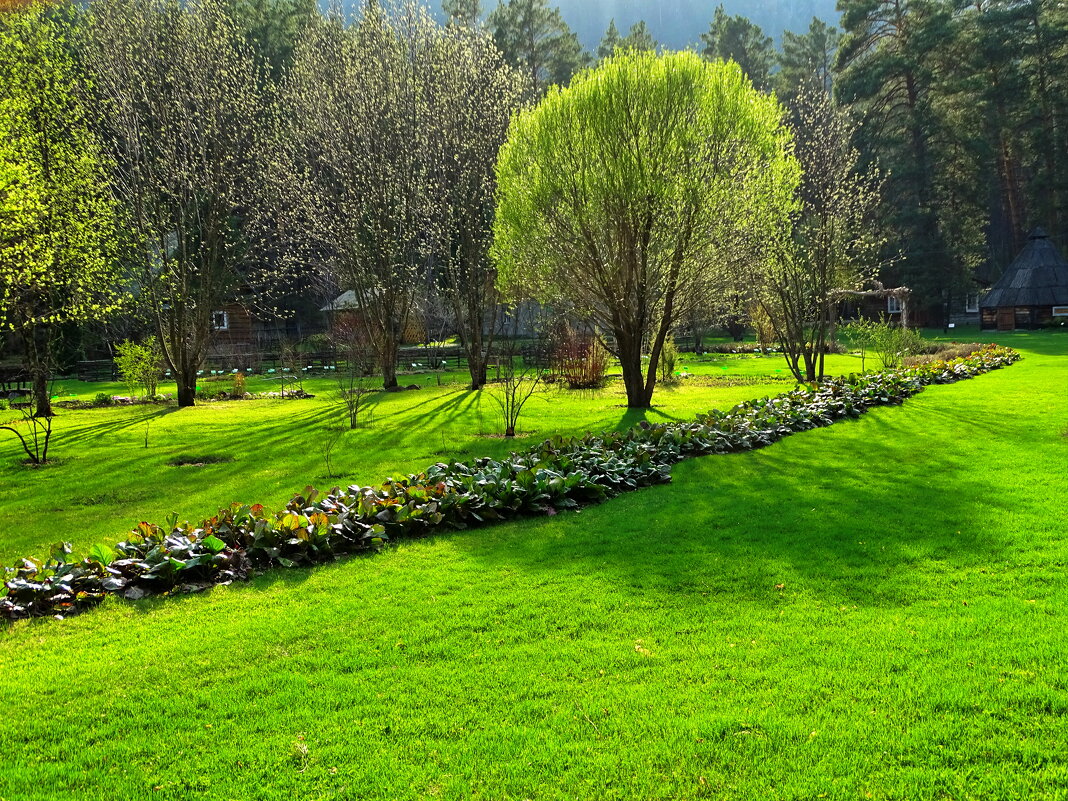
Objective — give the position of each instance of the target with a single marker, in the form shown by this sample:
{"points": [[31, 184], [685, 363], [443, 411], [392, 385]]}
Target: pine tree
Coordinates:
{"points": [[466, 13], [980, 84], [610, 41], [738, 39], [806, 59], [534, 37], [639, 37], [1042, 53], [887, 75], [273, 27]]}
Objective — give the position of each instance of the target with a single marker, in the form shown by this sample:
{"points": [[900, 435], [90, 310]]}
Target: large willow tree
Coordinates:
{"points": [[620, 195]]}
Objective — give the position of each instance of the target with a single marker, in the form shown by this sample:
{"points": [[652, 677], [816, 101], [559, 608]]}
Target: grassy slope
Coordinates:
{"points": [[639, 649]]}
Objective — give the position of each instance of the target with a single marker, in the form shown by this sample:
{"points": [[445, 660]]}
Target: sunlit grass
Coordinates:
{"points": [[871, 610], [113, 464]]}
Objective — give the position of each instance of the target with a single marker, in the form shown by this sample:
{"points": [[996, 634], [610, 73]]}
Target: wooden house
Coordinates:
{"points": [[1033, 290], [345, 310], [237, 329]]}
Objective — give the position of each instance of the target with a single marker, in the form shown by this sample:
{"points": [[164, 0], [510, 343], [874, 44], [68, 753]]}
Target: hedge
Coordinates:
{"points": [[559, 473]]}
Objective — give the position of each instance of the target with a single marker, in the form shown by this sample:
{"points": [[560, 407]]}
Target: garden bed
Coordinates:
{"points": [[557, 474]]}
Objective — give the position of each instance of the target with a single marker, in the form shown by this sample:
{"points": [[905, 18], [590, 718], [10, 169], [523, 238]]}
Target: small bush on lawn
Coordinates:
{"points": [[579, 359], [941, 351], [669, 359], [892, 343], [559, 473], [140, 365]]}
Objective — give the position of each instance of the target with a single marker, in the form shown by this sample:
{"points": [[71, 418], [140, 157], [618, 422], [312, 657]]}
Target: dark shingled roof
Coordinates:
{"points": [[1038, 277]]}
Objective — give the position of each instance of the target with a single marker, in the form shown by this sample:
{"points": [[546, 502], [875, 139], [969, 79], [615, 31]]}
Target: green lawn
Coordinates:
{"points": [[871, 610], [106, 479]]}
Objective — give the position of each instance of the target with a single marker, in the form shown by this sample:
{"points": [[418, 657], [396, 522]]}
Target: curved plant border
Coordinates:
{"points": [[559, 473]]}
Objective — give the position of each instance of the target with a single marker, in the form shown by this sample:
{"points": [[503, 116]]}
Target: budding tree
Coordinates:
{"points": [[832, 242], [474, 94], [182, 107], [357, 162], [57, 223]]}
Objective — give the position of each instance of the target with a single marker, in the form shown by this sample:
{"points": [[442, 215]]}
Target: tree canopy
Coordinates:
{"points": [[738, 39], [183, 104], [534, 37], [619, 193], [57, 223]]}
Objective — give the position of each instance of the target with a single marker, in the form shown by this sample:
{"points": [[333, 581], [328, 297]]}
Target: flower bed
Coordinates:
{"points": [[559, 473]]}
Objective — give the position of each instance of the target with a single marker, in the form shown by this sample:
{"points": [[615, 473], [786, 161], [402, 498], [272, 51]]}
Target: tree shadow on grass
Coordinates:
{"points": [[264, 582], [632, 417], [88, 430], [845, 513]]}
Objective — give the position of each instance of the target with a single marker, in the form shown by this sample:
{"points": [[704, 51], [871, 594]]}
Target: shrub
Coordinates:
{"points": [[765, 330], [941, 351], [669, 359], [892, 343], [579, 359], [140, 365], [238, 390], [559, 473], [316, 342], [103, 399]]}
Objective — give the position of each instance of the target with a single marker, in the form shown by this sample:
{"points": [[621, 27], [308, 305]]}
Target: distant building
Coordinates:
{"points": [[345, 309], [1032, 292]]}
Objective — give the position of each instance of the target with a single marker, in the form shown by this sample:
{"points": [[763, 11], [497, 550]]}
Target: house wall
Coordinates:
{"points": [[414, 332], [963, 318], [1023, 317], [237, 336]]}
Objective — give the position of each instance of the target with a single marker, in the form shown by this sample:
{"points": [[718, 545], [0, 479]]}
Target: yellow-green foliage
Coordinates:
{"points": [[624, 195], [56, 219], [140, 365], [637, 159], [669, 358]]}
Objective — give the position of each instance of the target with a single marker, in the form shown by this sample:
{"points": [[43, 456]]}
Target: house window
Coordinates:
{"points": [[971, 304], [220, 321], [893, 304], [1060, 311]]}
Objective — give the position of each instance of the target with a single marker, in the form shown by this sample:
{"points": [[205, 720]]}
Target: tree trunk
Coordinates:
{"points": [[630, 359], [389, 367], [36, 342], [476, 366], [42, 401], [186, 379], [476, 357]]}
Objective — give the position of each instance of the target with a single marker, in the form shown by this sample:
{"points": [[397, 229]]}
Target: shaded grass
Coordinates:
{"points": [[871, 610]]}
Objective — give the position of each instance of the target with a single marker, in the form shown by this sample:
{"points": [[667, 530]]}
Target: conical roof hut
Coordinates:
{"points": [[1031, 291]]}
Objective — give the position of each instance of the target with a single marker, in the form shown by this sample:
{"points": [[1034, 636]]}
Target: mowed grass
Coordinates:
{"points": [[872, 610], [113, 465]]}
